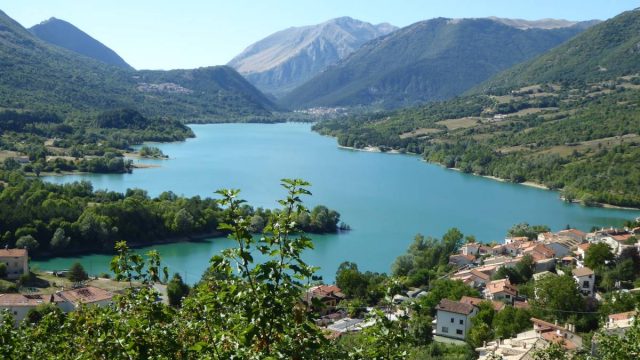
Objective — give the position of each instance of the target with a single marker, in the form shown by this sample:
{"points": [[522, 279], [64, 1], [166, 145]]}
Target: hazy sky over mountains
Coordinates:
{"points": [[165, 34]]}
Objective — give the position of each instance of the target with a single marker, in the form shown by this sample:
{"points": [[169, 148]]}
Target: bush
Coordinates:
{"points": [[77, 273]]}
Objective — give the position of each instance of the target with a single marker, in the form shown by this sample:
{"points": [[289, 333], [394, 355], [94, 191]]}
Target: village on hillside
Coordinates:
{"points": [[478, 266]]}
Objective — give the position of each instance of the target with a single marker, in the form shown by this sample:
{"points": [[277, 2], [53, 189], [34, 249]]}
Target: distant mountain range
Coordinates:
{"points": [[65, 35], [36, 75], [430, 60], [288, 58]]}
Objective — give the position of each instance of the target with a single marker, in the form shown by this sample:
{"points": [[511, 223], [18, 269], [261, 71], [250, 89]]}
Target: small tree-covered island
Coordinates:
{"points": [[550, 103]]}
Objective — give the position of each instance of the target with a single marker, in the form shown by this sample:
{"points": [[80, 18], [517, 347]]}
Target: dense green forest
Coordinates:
{"points": [[52, 219], [585, 140]]}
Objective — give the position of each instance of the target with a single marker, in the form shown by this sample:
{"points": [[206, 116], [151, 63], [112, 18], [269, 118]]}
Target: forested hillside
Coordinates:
{"points": [[35, 75]]}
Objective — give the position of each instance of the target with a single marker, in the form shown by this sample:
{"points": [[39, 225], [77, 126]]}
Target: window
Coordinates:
{"points": [[585, 284], [459, 332], [461, 321], [508, 296], [452, 320], [445, 329]]}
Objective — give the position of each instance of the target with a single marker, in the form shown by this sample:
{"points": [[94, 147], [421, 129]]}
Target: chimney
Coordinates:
{"points": [[555, 322]]}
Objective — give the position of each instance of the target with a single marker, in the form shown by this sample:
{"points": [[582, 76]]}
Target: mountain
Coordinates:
{"points": [[567, 119], [61, 33], [288, 58], [429, 60], [36, 75], [603, 52]]}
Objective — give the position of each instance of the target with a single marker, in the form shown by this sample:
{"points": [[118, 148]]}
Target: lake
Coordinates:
{"points": [[385, 198]]}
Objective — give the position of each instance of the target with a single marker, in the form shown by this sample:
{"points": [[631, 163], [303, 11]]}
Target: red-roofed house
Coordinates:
{"points": [[552, 333], [328, 295], [501, 290], [619, 323]]}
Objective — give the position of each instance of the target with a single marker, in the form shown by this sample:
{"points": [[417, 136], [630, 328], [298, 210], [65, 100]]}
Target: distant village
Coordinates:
{"points": [[475, 265]]}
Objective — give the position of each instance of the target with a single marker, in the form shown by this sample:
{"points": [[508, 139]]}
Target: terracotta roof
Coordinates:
{"points": [[480, 274], [503, 285], [13, 252], [583, 271], [497, 305], [555, 338], [324, 291], [623, 316], [86, 295], [574, 231], [543, 250], [584, 246], [545, 325], [455, 307], [27, 300], [621, 238]]}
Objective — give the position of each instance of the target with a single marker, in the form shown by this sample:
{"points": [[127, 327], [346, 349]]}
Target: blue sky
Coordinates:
{"points": [[166, 34]]}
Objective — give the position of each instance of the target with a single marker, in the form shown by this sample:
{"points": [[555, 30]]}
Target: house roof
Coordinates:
{"points": [[521, 305], [545, 325], [454, 307], [542, 249], [584, 246], [324, 291], [480, 274], [7, 300], [621, 238], [86, 295], [583, 271], [574, 232], [623, 316], [459, 256], [13, 252], [558, 339], [497, 305], [502, 285]]}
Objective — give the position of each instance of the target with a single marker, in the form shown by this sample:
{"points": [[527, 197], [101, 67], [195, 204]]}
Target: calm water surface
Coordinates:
{"points": [[386, 198]]}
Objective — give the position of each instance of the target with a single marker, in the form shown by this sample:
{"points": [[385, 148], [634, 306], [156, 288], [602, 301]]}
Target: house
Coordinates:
{"points": [[617, 239], [453, 318], [559, 248], [470, 249], [461, 260], [501, 290], [577, 235], [474, 277], [619, 323], [328, 295], [88, 295], [497, 305], [580, 253], [525, 344], [553, 333], [16, 260], [18, 305], [585, 278]]}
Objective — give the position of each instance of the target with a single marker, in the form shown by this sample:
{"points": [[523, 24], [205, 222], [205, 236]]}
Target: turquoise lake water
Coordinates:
{"points": [[385, 198]]}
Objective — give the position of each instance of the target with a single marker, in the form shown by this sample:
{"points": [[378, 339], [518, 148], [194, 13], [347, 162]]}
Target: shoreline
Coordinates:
{"points": [[133, 245], [532, 184]]}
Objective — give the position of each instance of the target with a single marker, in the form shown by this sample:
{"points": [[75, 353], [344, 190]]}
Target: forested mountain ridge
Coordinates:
{"points": [[603, 52], [63, 34], [35, 75], [287, 58], [580, 134], [430, 60]]}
